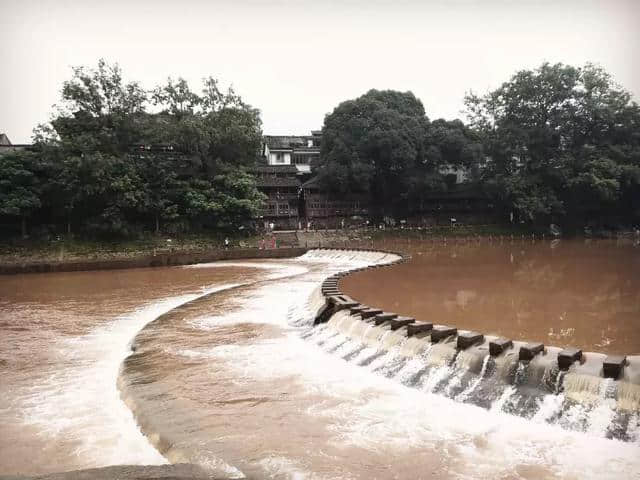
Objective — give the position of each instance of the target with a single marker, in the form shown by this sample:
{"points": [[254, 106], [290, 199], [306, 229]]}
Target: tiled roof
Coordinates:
{"points": [[275, 169], [277, 182], [276, 142], [312, 182]]}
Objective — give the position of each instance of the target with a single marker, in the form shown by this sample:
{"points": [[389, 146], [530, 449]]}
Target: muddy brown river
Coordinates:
{"points": [[569, 293], [220, 364]]}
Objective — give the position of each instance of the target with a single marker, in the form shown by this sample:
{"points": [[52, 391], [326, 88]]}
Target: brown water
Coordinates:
{"points": [[61, 336], [241, 382], [571, 293]]}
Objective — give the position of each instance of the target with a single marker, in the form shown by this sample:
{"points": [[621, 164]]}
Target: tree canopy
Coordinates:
{"points": [[563, 143], [557, 143], [116, 158], [383, 144]]}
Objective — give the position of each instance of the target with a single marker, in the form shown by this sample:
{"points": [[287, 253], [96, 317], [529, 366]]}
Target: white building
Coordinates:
{"points": [[301, 151]]}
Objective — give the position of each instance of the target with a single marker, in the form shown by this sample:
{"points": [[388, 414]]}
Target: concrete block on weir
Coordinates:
{"points": [[324, 313], [400, 322], [441, 332], [357, 310], [499, 345], [530, 350], [383, 317], [329, 288], [331, 292], [370, 312], [342, 302], [613, 365], [567, 357], [466, 339], [418, 327]]}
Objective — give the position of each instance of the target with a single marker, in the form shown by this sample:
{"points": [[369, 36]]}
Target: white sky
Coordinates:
{"points": [[296, 61]]}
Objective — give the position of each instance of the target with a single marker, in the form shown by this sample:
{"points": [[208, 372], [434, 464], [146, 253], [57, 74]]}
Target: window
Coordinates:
{"points": [[301, 159], [283, 208]]}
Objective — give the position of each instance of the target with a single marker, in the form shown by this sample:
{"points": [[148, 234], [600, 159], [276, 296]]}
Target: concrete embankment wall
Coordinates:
{"points": [[160, 260]]}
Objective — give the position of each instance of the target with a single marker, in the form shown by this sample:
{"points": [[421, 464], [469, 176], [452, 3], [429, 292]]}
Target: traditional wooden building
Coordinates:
{"points": [[295, 199], [322, 210], [281, 185], [465, 202], [301, 151]]}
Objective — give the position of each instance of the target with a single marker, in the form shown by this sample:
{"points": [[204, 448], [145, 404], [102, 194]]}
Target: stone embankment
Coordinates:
{"points": [[160, 260], [616, 367]]}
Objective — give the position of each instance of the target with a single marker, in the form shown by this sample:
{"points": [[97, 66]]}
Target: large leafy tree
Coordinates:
{"points": [[119, 159], [20, 187], [383, 144], [370, 145], [563, 143]]}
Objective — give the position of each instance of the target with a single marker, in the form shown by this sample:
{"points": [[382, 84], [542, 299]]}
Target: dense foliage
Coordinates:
{"points": [[116, 159], [563, 144], [555, 144], [383, 144]]}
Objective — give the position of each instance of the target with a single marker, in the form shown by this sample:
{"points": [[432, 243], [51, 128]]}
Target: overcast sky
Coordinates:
{"points": [[296, 61]]}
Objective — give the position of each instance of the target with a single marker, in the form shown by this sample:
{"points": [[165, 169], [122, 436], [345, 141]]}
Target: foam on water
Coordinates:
{"points": [[80, 403], [83, 402], [481, 441], [388, 403], [462, 396]]}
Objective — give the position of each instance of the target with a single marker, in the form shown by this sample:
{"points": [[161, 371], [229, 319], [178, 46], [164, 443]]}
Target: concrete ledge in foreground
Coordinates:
{"points": [[180, 471]]}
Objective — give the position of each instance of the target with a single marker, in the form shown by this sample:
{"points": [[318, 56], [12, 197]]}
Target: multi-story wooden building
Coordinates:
{"points": [[322, 210], [301, 151], [281, 184], [295, 199]]}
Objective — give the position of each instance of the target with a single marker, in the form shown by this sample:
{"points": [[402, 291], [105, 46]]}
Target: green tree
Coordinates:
{"points": [[113, 167], [559, 139], [19, 186], [370, 145]]}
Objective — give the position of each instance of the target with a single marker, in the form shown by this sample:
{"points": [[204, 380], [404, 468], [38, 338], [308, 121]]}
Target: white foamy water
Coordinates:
{"points": [[250, 389], [483, 442], [363, 408], [83, 402]]}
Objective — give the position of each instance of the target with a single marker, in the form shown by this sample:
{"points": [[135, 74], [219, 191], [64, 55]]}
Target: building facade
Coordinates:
{"points": [[296, 200], [301, 151], [281, 185]]}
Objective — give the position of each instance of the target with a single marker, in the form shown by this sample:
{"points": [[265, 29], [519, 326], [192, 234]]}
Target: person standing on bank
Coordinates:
{"points": [[226, 243]]}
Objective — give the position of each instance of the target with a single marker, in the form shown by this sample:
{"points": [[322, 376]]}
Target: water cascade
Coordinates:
{"points": [[523, 379]]}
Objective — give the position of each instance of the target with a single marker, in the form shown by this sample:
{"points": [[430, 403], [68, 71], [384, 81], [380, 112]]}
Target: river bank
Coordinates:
{"points": [[142, 261], [63, 254]]}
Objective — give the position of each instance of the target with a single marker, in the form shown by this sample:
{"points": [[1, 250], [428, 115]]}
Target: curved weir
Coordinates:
{"points": [[589, 392], [273, 378]]}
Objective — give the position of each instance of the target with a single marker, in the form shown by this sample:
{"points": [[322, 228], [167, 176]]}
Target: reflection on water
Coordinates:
{"points": [[578, 294]]}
